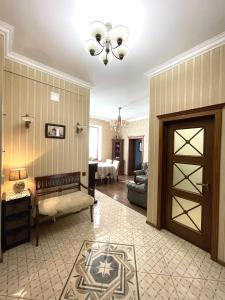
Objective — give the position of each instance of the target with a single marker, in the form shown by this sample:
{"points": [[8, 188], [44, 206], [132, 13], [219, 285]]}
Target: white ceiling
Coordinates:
{"points": [[53, 32]]}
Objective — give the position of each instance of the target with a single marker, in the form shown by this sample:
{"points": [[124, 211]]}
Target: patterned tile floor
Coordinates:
{"points": [[167, 267], [103, 271]]}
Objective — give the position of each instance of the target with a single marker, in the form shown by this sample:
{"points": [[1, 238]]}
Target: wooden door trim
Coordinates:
{"points": [[214, 111], [204, 109]]}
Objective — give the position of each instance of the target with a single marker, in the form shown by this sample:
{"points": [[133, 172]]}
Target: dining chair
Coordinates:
{"points": [[116, 164], [108, 161]]}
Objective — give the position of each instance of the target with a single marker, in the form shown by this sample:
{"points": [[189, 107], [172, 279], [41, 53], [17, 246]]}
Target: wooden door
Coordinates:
{"points": [[131, 156], [131, 153], [189, 180]]}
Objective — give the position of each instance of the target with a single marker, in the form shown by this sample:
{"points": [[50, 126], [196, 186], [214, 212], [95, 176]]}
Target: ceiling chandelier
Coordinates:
{"points": [[117, 125], [107, 42]]}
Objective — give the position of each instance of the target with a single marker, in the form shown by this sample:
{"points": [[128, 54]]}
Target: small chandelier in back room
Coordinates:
{"points": [[117, 125], [108, 42]]}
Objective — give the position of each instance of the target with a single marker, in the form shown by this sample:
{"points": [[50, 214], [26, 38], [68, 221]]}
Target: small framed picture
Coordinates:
{"points": [[55, 131]]}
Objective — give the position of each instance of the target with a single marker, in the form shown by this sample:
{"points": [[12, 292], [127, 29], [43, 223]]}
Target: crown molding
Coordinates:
{"points": [[100, 118], [200, 49], [128, 120], [41, 67], [145, 117], [8, 31]]}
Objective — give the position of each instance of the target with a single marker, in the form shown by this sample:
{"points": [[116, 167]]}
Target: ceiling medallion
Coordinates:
{"points": [[108, 42]]}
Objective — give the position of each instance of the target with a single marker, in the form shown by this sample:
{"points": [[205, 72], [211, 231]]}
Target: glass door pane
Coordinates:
{"points": [[186, 212], [189, 141], [186, 177]]}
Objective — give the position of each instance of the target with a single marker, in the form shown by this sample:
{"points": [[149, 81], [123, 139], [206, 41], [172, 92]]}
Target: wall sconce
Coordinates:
{"points": [[28, 120], [18, 174], [79, 128]]}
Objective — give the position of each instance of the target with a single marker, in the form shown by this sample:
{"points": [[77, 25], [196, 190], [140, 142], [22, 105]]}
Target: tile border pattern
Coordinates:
{"points": [[103, 270]]}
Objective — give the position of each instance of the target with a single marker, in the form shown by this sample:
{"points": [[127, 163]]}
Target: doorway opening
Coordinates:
{"points": [[135, 153]]}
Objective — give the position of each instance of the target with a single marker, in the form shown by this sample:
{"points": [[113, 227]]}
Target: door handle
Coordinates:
{"points": [[204, 185]]}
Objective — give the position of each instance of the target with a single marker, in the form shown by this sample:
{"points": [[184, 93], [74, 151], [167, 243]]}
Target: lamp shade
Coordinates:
{"points": [[105, 58], [120, 32], [121, 51], [17, 174], [92, 47], [98, 28]]}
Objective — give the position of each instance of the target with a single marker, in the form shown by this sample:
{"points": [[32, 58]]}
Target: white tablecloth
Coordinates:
{"points": [[105, 169]]}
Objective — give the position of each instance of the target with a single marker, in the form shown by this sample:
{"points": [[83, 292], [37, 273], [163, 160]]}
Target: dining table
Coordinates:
{"points": [[105, 169]]}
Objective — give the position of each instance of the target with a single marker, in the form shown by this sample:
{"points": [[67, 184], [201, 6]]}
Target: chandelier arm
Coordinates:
{"points": [[114, 53], [115, 47], [99, 52], [100, 44]]}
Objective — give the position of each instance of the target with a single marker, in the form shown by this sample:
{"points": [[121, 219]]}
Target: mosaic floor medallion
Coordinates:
{"points": [[103, 271]]}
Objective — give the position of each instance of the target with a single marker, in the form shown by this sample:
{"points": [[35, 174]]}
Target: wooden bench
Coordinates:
{"points": [[46, 185]]}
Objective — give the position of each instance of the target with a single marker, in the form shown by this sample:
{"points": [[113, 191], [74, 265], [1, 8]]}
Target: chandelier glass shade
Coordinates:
{"points": [[107, 42], [117, 125]]}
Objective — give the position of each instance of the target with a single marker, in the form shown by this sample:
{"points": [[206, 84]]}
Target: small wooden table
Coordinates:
{"points": [[16, 217]]}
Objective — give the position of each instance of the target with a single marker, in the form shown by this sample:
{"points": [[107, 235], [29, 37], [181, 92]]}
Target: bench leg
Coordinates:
{"points": [[37, 225], [91, 212]]}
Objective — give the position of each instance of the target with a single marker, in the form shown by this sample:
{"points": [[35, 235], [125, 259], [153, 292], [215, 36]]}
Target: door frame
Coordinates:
{"points": [[130, 154], [215, 112]]}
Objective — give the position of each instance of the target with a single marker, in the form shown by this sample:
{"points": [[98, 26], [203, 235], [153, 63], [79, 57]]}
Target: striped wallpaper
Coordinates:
{"points": [[27, 91], [198, 82]]}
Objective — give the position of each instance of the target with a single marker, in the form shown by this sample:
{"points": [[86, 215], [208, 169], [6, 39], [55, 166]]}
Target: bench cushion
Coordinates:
{"points": [[72, 202]]}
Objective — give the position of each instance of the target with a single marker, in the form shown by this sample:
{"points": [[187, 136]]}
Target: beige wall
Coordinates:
{"points": [[107, 136], [195, 83], [135, 128], [27, 91]]}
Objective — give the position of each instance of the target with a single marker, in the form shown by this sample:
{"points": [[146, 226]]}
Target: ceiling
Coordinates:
{"points": [[53, 32]]}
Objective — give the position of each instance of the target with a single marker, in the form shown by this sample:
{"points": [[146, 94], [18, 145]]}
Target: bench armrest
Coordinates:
{"points": [[90, 190]]}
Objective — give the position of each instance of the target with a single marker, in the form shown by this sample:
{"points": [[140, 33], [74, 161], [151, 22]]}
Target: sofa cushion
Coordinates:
{"points": [[141, 178], [72, 202], [140, 188]]}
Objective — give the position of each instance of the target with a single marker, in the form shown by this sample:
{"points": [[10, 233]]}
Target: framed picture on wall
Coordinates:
{"points": [[55, 131]]}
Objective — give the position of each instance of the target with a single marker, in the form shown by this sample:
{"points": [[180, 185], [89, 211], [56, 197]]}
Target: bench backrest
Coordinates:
{"points": [[57, 183]]}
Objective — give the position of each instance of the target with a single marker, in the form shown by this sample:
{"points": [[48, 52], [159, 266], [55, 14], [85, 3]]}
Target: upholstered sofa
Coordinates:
{"points": [[137, 193], [141, 175]]}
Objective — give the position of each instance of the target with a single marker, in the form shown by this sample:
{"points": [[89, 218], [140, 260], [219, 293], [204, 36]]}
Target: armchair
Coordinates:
{"points": [[141, 176], [137, 193]]}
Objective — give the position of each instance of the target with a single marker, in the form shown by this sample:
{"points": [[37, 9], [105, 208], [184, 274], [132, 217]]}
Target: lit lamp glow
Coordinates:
{"points": [[16, 175]]}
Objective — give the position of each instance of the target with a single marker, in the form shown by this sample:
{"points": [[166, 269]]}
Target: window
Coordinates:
{"points": [[95, 133]]}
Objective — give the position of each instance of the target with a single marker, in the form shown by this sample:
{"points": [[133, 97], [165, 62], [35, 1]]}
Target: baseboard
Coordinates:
{"points": [[1, 256], [222, 263], [151, 224]]}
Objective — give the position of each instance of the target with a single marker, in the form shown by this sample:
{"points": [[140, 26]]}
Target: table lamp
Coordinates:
{"points": [[18, 174]]}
